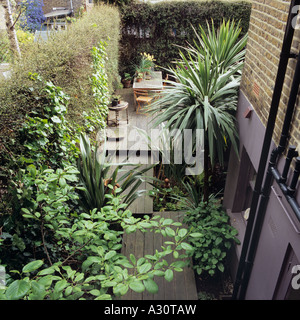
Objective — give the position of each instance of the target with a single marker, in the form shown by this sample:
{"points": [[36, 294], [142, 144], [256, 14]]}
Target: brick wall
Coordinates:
{"points": [[49, 4], [267, 27]]}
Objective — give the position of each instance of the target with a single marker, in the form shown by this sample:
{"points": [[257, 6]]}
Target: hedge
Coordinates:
{"points": [[155, 28], [65, 60]]}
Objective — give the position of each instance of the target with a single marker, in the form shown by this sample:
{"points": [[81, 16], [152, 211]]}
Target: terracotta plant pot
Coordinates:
{"points": [[127, 83]]}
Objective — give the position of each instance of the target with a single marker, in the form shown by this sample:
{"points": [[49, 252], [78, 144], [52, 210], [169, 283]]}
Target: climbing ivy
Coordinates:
{"points": [[158, 28]]}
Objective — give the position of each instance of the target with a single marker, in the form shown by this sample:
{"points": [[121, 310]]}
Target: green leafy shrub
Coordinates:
{"points": [[167, 199], [48, 145], [24, 37], [211, 249], [90, 265], [100, 86], [66, 60], [42, 198], [5, 53], [46, 134]]}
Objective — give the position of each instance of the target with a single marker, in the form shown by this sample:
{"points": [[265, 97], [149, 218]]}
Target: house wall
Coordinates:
{"points": [[281, 231], [50, 4], [266, 32]]}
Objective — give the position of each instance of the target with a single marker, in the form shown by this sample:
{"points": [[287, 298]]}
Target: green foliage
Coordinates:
{"points": [[100, 86], [66, 60], [155, 28], [46, 134], [5, 53], [93, 267], [217, 236], [99, 177], [166, 199], [204, 92], [24, 37], [42, 198], [204, 95]]}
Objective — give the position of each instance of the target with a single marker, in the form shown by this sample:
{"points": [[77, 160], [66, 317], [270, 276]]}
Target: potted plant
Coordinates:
{"points": [[127, 80], [139, 76], [116, 99]]}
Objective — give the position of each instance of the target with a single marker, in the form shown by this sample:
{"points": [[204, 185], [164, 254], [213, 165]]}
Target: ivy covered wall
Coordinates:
{"points": [[157, 28]]}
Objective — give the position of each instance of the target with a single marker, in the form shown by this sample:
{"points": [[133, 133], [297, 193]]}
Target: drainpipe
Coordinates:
{"points": [[283, 63], [269, 178]]}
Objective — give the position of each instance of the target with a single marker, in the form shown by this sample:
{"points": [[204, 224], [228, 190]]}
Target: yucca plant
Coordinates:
{"points": [[223, 44], [99, 177], [205, 93]]}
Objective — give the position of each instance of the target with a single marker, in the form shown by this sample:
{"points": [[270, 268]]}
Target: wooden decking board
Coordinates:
{"points": [[139, 121], [183, 286]]}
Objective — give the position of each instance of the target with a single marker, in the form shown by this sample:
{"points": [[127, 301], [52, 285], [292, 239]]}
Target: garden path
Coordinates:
{"points": [[128, 145], [183, 286]]}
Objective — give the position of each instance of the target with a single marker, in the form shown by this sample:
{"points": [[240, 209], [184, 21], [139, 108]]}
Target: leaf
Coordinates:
{"points": [[137, 286], [95, 292], [170, 232], [17, 290], [218, 241], [38, 290], [46, 271], [60, 285], [150, 286], [109, 255], [133, 259], [41, 197], [32, 170], [26, 211], [56, 119], [186, 246], [169, 275], [159, 273], [62, 182], [196, 235], [68, 291], [144, 268], [131, 229], [167, 222], [32, 266], [221, 267], [121, 289], [182, 232]]}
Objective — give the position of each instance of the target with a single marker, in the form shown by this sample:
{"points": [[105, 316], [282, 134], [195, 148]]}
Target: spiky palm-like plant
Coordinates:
{"points": [[205, 92], [99, 177]]}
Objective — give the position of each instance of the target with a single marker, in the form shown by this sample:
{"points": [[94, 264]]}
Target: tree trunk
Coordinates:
{"points": [[10, 28]]}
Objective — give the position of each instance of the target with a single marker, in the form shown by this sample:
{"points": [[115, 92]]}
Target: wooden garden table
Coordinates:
{"points": [[155, 83]]}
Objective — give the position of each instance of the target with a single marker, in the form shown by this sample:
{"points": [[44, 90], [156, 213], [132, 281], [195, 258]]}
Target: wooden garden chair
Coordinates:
{"points": [[142, 97]]}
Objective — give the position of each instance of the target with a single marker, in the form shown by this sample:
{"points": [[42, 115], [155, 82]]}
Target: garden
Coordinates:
{"points": [[65, 206]]}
